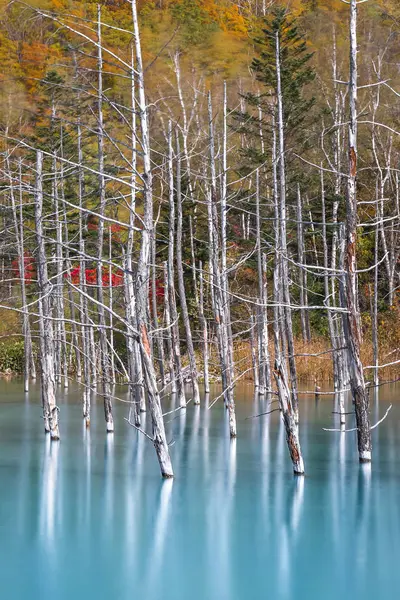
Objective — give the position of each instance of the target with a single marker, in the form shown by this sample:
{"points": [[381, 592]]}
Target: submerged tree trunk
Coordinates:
{"points": [[105, 369], [283, 234], [220, 291], [264, 371], [176, 349], [351, 319], [48, 381], [204, 327], [181, 285], [143, 275]]}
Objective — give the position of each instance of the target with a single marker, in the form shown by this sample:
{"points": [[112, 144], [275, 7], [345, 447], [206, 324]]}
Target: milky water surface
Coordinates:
{"points": [[90, 517]]}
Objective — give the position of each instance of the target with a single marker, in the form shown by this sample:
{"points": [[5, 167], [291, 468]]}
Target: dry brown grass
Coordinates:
{"points": [[314, 360]]}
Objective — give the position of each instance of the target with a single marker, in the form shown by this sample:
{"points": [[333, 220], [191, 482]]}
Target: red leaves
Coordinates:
{"points": [[114, 228], [91, 277], [29, 268], [160, 292]]}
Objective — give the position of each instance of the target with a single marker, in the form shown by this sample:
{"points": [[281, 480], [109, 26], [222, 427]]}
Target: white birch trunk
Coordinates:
{"points": [[351, 319], [142, 278], [181, 285], [48, 381], [105, 369]]}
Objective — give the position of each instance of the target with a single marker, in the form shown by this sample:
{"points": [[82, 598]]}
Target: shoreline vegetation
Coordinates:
{"points": [[314, 361]]}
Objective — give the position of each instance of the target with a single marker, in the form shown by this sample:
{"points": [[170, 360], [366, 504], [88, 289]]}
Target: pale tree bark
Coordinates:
{"points": [[283, 233], [48, 381], [336, 350], [105, 368], [75, 350], [264, 375], [180, 386], [219, 284], [167, 323], [61, 338], [374, 299], [181, 283], [19, 237], [142, 278], [223, 226], [135, 370], [254, 353], [110, 305], [304, 317], [158, 334], [89, 364], [340, 381], [351, 319], [285, 398], [204, 327]]}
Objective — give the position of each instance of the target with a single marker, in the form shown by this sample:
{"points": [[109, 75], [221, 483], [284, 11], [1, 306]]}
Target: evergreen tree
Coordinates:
{"points": [[296, 74]]}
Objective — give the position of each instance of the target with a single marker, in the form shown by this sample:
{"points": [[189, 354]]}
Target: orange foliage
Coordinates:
{"points": [[226, 15]]}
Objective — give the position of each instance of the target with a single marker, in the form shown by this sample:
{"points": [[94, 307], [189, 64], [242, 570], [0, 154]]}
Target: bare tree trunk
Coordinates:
{"points": [[74, 329], [264, 376], [61, 342], [48, 382], [192, 250], [89, 364], [327, 287], [105, 369], [254, 354], [158, 336], [135, 370], [288, 413], [110, 305], [304, 319], [203, 323], [142, 279], [19, 235], [181, 284], [351, 319], [167, 319], [171, 281], [283, 234], [221, 312], [374, 301]]}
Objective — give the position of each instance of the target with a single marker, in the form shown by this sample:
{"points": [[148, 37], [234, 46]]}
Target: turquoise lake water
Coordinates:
{"points": [[90, 517]]}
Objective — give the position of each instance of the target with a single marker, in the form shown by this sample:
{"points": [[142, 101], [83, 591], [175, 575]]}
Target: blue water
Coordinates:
{"points": [[90, 518]]}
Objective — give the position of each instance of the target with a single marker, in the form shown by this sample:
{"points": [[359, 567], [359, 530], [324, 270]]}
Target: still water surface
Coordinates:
{"points": [[90, 518]]}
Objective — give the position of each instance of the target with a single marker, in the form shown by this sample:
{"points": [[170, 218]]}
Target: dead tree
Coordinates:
{"points": [[351, 318], [45, 289]]}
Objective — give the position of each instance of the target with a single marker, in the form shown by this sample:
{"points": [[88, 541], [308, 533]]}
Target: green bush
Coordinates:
{"points": [[12, 357]]}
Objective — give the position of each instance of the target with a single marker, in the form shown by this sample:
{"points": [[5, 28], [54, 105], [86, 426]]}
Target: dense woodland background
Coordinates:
{"points": [[212, 99]]}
